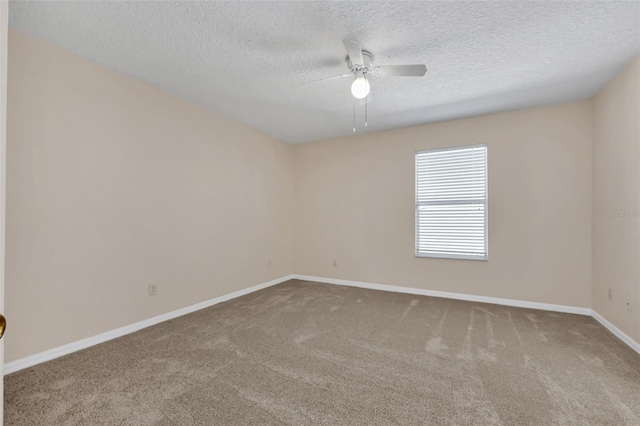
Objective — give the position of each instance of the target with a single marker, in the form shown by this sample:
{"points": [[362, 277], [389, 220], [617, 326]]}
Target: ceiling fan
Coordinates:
{"points": [[360, 64]]}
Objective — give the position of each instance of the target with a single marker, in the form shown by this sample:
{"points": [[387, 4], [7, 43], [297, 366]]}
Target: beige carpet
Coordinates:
{"points": [[309, 353]]}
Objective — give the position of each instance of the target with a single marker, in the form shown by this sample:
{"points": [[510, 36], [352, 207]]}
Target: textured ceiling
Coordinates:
{"points": [[247, 60]]}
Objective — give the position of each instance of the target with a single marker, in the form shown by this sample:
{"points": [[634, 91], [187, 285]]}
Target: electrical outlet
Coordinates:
{"points": [[610, 294], [629, 307], [153, 289], [269, 264], [335, 264]]}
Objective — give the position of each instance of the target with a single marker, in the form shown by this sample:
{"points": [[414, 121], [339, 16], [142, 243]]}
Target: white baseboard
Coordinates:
{"points": [[448, 295], [483, 299], [50, 354], [616, 331]]}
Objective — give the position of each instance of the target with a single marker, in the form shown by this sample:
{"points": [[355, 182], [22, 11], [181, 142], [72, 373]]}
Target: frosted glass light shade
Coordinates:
{"points": [[360, 87]]}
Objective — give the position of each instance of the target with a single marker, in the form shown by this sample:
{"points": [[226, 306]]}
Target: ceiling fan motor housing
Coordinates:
{"points": [[367, 58]]}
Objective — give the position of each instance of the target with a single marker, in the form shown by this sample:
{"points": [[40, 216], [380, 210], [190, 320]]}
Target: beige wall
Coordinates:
{"points": [[616, 191], [114, 185], [354, 201]]}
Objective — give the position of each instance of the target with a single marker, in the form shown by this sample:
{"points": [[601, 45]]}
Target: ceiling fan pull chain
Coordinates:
{"points": [[354, 116], [366, 102]]}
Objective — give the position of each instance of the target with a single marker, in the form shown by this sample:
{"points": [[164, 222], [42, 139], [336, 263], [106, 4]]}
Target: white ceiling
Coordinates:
{"points": [[246, 60]]}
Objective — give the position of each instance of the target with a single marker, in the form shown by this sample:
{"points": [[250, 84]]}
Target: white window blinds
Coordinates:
{"points": [[451, 203]]}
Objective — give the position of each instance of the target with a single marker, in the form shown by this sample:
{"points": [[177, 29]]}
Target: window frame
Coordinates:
{"points": [[486, 206]]}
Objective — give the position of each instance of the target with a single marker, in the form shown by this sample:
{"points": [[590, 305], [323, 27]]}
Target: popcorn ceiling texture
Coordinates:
{"points": [[246, 60]]}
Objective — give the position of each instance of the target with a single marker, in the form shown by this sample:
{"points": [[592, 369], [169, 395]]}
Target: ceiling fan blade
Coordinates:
{"points": [[326, 78], [400, 70], [354, 51]]}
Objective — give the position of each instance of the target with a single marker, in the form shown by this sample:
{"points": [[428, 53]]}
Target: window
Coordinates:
{"points": [[451, 203]]}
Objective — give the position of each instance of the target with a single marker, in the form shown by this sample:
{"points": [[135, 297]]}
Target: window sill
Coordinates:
{"points": [[452, 256]]}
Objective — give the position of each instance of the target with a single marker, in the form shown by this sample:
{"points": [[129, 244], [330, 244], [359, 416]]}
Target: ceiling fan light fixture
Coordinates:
{"points": [[360, 87]]}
